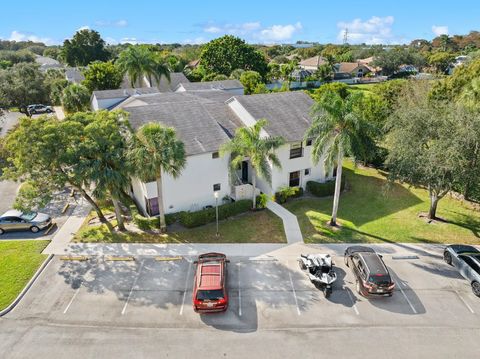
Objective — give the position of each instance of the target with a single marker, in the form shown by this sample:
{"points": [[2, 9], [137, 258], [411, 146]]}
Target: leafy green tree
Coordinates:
{"points": [[250, 80], [324, 73], [32, 196], [46, 152], [52, 52], [85, 47], [138, 61], [273, 71], [75, 98], [390, 92], [102, 76], [337, 130], [103, 151], [227, 53], [422, 145], [249, 142], [156, 151], [22, 85], [56, 82], [339, 88], [235, 75], [16, 57], [440, 61], [219, 77], [391, 60]]}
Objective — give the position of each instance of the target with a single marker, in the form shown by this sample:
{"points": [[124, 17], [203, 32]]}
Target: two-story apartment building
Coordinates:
{"points": [[204, 121]]}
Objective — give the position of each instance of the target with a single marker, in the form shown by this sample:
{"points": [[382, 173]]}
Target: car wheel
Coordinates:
{"points": [[447, 257], [1, 231], [476, 288], [34, 229]]}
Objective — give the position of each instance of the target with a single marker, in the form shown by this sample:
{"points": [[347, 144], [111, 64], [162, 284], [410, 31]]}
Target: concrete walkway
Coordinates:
{"points": [[62, 238], [290, 222]]}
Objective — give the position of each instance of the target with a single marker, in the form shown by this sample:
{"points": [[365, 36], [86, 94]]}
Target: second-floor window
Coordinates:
{"points": [[296, 150]]}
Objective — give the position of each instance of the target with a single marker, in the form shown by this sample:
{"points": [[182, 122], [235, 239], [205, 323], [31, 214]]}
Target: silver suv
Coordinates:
{"points": [[14, 220], [34, 109]]}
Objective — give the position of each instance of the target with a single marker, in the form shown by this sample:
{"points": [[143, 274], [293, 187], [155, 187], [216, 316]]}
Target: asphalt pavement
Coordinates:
{"points": [[142, 308]]}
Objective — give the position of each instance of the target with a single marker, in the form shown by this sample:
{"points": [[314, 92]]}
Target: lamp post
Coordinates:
{"points": [[216, 210]]}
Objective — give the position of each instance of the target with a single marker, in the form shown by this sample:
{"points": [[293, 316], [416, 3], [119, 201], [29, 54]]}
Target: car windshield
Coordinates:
{"points": [[380, 279], [210, 294], [29, 216]]}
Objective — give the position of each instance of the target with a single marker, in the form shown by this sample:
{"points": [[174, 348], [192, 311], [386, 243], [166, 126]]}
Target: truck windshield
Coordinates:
{"points": [[210, 294]]}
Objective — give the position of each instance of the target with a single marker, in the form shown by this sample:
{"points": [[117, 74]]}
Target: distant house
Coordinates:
{"points": [[193, 64], [74, 75], [107, 99], [233, 87], [47, 63], [312, 63], [459, 61], [345, 70], [301, 74], [169, 86]]}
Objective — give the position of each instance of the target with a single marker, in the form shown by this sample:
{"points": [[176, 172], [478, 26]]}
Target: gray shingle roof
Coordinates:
{"points": [[287, 113], [124, 93], [195, 126], [212, 85], [175, 78], [74, 75]]}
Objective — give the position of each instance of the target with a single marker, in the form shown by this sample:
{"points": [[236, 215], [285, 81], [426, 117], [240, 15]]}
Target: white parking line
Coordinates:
{"points": [[185, 290], [405, 296], [239, 293], [294, 293], [464, 302], [133, 286], [354, 306], [71, 300]]}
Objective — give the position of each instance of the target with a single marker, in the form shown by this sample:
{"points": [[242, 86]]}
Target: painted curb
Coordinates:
{"points": [[27, 287]]}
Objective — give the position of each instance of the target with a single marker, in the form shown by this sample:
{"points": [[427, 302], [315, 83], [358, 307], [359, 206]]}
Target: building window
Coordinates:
{"points": [[215, 155], [152, 206], [294, 179], [309, 142], [307, 171], [216, 187], [296, 150]]}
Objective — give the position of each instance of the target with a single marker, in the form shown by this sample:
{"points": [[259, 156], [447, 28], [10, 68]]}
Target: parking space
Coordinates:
{"points": [[264, 294]]}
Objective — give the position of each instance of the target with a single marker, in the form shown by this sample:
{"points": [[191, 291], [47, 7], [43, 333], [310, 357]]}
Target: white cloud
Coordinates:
{"points": [[109, 23], [129, 40], [440, 30], [376, 30], [255, 31], [20, 36], [196, 41], [84, 27], [279, 32]]}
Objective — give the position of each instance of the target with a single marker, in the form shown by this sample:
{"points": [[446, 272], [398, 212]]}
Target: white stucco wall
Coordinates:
{"points": [[193, 190], [281, 177]]}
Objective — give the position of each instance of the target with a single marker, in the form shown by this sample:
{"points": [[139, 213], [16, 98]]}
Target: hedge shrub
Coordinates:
{"points": [[149, 223], [280, 196], [323, 189], [199, 218]]}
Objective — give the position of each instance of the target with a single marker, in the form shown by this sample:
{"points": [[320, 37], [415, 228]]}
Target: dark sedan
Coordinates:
{"points": [[467, 260]]}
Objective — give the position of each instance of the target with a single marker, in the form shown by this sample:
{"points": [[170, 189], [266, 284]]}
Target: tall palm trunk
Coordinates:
{"points": [[161, 210], [254, 184], [90, 200], [338, 186], [118, 214]]}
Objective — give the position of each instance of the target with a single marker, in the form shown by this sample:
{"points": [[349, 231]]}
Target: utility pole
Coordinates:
{"points": [[345, 36]]}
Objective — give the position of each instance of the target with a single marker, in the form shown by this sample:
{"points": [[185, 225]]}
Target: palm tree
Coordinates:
{"points": [[250, 143], [336, 130], [156, 150], [138, 61]]}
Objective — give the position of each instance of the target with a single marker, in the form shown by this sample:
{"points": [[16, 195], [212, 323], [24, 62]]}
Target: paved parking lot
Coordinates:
{"points": [[263, 294], [144, 306]]}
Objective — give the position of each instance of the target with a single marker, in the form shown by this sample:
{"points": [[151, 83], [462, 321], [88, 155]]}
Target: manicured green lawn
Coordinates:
{"points": [[372, 210], [254, 227], [19, 260]]}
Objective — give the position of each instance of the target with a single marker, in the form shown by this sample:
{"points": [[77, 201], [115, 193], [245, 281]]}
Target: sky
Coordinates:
{"points": [[260, 21]]}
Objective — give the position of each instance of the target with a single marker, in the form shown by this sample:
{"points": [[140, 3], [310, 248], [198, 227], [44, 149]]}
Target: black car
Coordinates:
{"points": [[371, 274], [467, 261]]}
